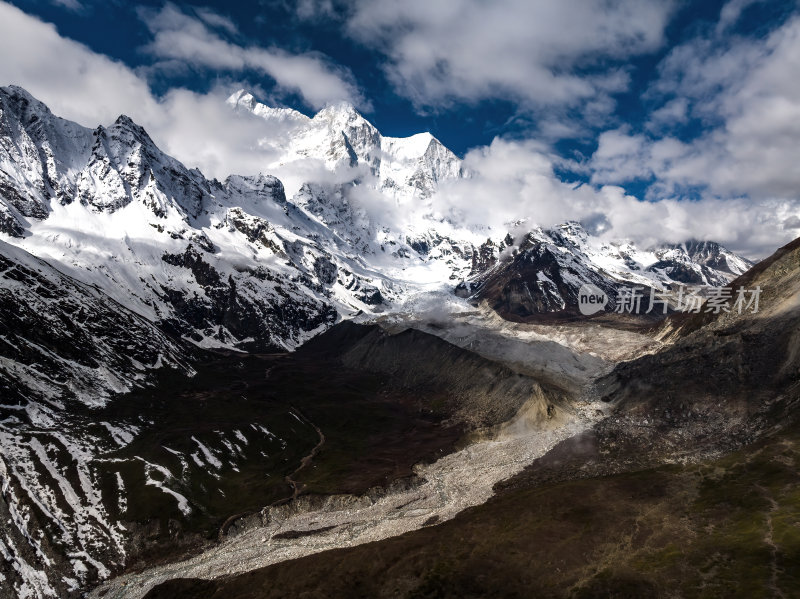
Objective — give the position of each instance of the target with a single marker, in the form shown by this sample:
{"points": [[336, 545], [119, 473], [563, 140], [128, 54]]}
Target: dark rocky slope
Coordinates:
{"points": [[465, 387], [726, 379]]}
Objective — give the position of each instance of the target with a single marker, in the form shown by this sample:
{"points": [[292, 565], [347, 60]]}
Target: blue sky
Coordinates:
{"points": [[668, 101], [118, 29]]}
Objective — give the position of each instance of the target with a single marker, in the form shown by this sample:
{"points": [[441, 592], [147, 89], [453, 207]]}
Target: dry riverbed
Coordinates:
{"points": [[444, 488]]}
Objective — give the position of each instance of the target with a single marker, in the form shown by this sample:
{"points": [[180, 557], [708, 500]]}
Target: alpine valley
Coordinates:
{"points": [[318, 385]]}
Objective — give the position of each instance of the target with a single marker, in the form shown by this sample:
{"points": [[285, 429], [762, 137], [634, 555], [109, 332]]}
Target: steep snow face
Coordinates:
{"points": [[64, 347], [40, 156], [126, 166], [230, 264], [419, 162], [47, 159], [714, 264], [238, 264]]}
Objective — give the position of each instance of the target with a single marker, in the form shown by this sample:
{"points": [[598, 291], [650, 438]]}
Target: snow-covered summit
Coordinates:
{"points": [[244, 100], [339, 135]]}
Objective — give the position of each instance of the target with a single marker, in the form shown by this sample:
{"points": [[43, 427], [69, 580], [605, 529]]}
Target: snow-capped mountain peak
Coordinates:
{"points": [[340, 136], [342, 111], [245, 101], [220, 262]]}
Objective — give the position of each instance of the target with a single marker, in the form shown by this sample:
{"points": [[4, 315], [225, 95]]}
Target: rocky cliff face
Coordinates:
{"points": [[543, 270]]}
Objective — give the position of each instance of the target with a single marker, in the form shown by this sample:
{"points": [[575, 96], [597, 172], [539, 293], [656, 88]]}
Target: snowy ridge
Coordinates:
{"points": [[691, 263]]}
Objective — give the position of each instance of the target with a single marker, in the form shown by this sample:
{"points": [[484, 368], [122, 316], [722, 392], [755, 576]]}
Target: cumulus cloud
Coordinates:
{"points": [[539, 54], [731, 13], [672, 113], [71, 79], [202, 131], [316, 9], [72, 5], [515, 180], [216, 20], [189, 40], [747, 92]]}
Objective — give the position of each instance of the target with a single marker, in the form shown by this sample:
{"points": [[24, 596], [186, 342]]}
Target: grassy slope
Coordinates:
{"points": [[373, 434], [725, 528]]}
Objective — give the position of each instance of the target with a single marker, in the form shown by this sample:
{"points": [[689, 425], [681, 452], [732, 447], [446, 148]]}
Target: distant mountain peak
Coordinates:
{"points": [[243, 100], [17, 92], [340, 108], [126, 124], [241, 97]]}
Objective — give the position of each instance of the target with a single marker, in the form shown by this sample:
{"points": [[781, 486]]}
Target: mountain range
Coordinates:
{"points": [[124, 272], [237, 264]]}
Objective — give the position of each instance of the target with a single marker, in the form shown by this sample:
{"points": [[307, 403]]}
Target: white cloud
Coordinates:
{"points": [[184, 38], [534, 53], [514, 180], [747, 92], [73, 5], [731, 12], [71, 79], [315, 9], [216, 20], [674, 112], [203, 132]]}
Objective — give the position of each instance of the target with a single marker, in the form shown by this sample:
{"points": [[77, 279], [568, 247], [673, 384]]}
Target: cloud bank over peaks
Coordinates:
{"points": [[197, 128], [513, 180], [743, 94]]}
